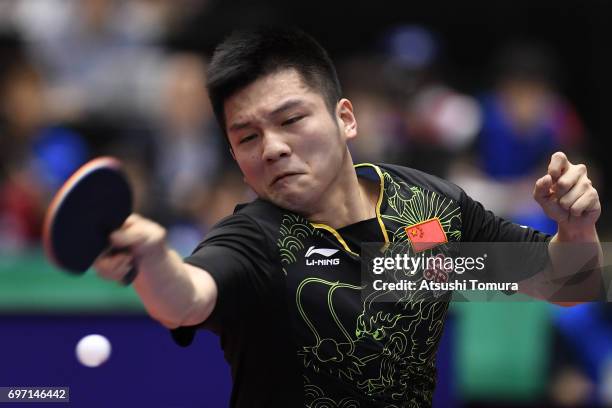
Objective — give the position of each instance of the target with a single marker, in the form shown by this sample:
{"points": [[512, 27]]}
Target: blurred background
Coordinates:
{"points": [[478, 92]]}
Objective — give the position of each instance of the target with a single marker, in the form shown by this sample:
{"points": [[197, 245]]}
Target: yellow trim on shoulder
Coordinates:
{"points": [[337, 235], [380, 197]]}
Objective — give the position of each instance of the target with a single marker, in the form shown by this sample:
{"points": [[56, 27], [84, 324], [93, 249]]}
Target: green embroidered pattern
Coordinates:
{"points": [[387, 350], [422, 205], [410, 337], [294, 230]]}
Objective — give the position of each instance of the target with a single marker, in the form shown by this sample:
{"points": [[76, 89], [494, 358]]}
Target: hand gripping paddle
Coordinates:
{"points": [[92, 203]]}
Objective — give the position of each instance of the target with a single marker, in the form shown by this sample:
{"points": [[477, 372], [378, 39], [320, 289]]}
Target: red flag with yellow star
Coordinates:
{"points": [[426, 234]]}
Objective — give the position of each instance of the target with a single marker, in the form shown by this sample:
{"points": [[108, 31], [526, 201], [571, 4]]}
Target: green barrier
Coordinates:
{"points": [[30, 284], [502, 350]]}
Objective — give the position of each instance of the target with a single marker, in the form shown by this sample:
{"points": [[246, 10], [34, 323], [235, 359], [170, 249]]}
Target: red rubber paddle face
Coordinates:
{"points": [[94, 201]]}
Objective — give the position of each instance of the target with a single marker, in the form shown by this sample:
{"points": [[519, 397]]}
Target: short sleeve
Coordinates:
{"points": [[239, 258], [480, 225], [524, 254]]}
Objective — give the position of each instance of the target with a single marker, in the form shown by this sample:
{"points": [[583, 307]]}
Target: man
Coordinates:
{"points": [[280, 279]]}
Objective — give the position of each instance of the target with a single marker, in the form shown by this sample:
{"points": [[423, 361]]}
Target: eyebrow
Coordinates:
{"points": [[290, 104]]}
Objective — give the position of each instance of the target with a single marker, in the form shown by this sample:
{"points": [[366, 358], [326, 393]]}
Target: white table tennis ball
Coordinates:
{"points": [[93, 350]]}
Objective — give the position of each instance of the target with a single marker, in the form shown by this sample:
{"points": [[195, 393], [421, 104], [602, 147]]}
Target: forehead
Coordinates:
{"points": [[267, 93]]}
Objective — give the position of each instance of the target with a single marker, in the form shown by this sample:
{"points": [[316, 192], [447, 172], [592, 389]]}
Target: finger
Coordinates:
{"points": [[131, 219], [113, 267], [580, 188], [142, 236], [569, 179], [586, 203], [558, 165], [128, 224], [542, 190], [129, 235], [119, 272], [108, 259]]}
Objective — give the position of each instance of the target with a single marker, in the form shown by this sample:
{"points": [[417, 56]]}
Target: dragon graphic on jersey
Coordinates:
{"points": [[386, 349]]}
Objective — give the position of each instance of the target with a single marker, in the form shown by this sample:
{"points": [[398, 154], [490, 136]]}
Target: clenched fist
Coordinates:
{"points": [[567, 196]]}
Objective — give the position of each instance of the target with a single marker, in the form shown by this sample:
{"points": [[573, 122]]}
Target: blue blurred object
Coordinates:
{"points": [[445, 395], [57, 153], [586, 330], [411, 46], [506, 153]]}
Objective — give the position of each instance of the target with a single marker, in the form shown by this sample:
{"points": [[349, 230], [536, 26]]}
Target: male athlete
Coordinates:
{"points": [[279, 280]]}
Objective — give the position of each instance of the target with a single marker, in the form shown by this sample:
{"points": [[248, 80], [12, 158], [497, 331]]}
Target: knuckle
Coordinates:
{"points": [[563, 185], [581, 168], [575, 211], [537, 197], [565, 203], [584, 187]]}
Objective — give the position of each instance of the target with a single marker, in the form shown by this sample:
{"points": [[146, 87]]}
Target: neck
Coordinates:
{"points": [[348, 200]]}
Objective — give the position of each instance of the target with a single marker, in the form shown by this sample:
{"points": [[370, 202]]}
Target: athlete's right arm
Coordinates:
{"points": [[173, 292]]}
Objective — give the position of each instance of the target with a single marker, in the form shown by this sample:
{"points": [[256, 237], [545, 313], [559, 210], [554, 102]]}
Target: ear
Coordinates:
{"points": [[346, 118]]}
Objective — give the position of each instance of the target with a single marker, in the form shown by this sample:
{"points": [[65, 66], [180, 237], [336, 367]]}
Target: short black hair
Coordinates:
{"points": [[248, 55]]}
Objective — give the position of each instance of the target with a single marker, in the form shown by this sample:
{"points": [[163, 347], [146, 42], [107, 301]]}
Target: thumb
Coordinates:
{"points": [[542, 190]]}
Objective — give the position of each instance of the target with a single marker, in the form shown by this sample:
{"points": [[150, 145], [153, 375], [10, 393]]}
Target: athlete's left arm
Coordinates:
{"points": [[566, 195]]}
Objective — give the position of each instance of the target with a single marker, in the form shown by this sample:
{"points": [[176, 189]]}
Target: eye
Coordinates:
{"points": [[292, 120], [248, 138]]}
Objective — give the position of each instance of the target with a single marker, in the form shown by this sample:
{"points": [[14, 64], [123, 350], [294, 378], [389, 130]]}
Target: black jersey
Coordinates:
{"points": [[294, 326]]}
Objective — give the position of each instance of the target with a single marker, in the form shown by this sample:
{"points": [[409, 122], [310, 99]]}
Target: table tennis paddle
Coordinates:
{"points": [[92, 203]]}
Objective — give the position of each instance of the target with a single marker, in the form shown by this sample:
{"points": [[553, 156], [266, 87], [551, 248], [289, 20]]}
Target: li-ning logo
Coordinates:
{"points": [[326, 252]]}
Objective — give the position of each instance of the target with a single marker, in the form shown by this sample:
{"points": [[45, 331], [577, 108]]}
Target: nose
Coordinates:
{"points": [[274, 147]]}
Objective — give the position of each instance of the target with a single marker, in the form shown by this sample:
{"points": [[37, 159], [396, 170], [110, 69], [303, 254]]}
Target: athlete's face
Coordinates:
{"points": [[288, 145]]}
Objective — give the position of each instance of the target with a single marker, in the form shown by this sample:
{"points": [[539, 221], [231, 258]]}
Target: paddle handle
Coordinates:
{"points": [[129, 277]]}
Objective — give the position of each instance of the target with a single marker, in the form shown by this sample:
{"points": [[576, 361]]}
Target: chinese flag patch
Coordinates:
{"points": [[426, 234]]}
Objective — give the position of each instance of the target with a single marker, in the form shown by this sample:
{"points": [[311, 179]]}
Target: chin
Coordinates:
{"points": [[293, 202]]}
